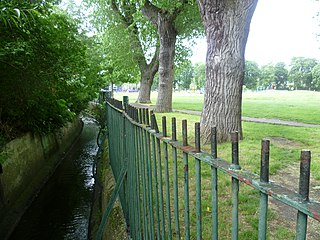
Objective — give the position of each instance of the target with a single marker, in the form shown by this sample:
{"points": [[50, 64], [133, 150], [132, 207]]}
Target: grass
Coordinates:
{"points": [[301, 106], [282, 154], [286, 144]]}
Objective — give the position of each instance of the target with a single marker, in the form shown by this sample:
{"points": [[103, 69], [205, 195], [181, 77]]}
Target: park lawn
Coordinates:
{"points": [[282, 153], [300, 106], [286, 144]]}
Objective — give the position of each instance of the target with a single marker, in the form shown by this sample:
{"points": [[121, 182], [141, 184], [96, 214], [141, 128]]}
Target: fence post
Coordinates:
{"points": [[166, 174], [214, 177], [156, 188], [235, 185], [125, 103], [198, 182], [264, 178], [304, 182], [186, 180], [175, 180]]}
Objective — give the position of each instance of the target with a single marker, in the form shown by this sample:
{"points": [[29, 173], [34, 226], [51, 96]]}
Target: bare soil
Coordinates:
{"points": [[289, 177]]}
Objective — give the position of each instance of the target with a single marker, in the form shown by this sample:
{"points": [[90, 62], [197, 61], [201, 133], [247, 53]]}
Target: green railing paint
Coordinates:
{"points": [[149, 194], [113, 198], [214, 185]]}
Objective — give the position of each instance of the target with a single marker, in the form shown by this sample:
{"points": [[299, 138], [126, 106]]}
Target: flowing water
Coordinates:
{"points": [[62, 208]]}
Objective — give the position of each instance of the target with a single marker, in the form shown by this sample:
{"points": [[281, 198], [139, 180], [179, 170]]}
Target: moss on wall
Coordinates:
{"points": [[104, 186], [30, 161]]}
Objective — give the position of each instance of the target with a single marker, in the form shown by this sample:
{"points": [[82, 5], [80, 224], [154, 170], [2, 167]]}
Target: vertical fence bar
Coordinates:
{"points": [[131, 182], [304, 183], [163, 228], [149, 176], [198, 183], [264, 178], [125, 100], [235, 186], [138, 188], [143, 180], [156, 190], [214, 185], [166, 172], [186, 180], [175, 180]]}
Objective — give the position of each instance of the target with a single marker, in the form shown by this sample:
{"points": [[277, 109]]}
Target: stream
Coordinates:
{"points": [[62, 208]]}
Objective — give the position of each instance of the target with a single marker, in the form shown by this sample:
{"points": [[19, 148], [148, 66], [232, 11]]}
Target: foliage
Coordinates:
{"points": [[252, 74], [44, 73], [118, 63], [316, 77], [199, 75], [267, 76], [184, 76], [301, 72], [281, 76]]}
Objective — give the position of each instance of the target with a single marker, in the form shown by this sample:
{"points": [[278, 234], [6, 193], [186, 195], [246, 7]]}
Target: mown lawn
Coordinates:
{"points": [[286, 144], [301, 106]]}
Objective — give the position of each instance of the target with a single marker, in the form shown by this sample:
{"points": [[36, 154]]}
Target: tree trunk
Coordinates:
{"points": [[227, 25], [168, 35], [147, 76]]}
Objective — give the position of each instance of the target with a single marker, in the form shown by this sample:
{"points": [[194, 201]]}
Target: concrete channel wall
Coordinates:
{"points": [[104, 185], [30, 161]]}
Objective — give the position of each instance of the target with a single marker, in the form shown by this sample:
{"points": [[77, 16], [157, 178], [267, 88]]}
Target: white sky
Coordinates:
{"points": [[280, 30]]}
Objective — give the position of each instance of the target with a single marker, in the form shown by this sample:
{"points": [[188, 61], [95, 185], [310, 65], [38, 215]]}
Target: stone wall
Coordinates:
{"points": [[30, 162]]}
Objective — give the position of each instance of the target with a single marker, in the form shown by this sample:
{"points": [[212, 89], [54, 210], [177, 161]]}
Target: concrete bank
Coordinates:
{"points": [[30, 162], [104, 186]]}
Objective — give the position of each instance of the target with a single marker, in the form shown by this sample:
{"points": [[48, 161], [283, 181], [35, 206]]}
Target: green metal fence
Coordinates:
{"points": [[154, 180]]}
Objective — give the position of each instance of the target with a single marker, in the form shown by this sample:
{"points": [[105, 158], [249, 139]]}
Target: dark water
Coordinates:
{"points": [[61, 211]]}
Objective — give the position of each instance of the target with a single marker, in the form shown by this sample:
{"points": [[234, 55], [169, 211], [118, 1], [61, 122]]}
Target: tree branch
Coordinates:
{"points": [[124, 19], [151, 12]]}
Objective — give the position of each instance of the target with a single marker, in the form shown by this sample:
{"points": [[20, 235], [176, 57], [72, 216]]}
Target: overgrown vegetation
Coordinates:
{"points": [[46, 77]]}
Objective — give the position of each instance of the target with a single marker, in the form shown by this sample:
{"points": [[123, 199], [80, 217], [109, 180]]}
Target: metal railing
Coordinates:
{"points": [[155, 178]]}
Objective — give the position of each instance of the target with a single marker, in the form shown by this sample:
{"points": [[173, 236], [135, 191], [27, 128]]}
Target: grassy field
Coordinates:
{"points": [[301, 106], [286, 144]]}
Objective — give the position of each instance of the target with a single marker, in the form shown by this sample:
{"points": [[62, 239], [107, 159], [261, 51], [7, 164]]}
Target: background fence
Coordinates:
{"points": [[159, 179]]}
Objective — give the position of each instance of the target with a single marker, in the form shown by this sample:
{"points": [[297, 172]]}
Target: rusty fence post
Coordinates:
{"points": [[235, 185], [166, 175], [264, 178], [304, 182]]}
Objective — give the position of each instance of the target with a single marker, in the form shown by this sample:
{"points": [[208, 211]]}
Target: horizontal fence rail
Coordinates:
{"points": [[160, 194]]}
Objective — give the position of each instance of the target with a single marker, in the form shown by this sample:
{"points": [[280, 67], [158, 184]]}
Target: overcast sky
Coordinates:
{"points": [[280, 30]]}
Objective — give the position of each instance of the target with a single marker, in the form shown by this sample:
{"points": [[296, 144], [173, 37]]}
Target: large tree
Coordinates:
{"points": [[122, 21], [170, 19], [267, 76], [227, 24]]}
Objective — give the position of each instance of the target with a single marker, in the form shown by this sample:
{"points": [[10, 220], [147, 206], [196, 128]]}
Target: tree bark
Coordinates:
{"points": [[168, 36], [147, 71], [227, 25], [164, 21], [147, 76]]}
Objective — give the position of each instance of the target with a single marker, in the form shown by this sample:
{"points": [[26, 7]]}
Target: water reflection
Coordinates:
{"points": [[61, 211]]}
